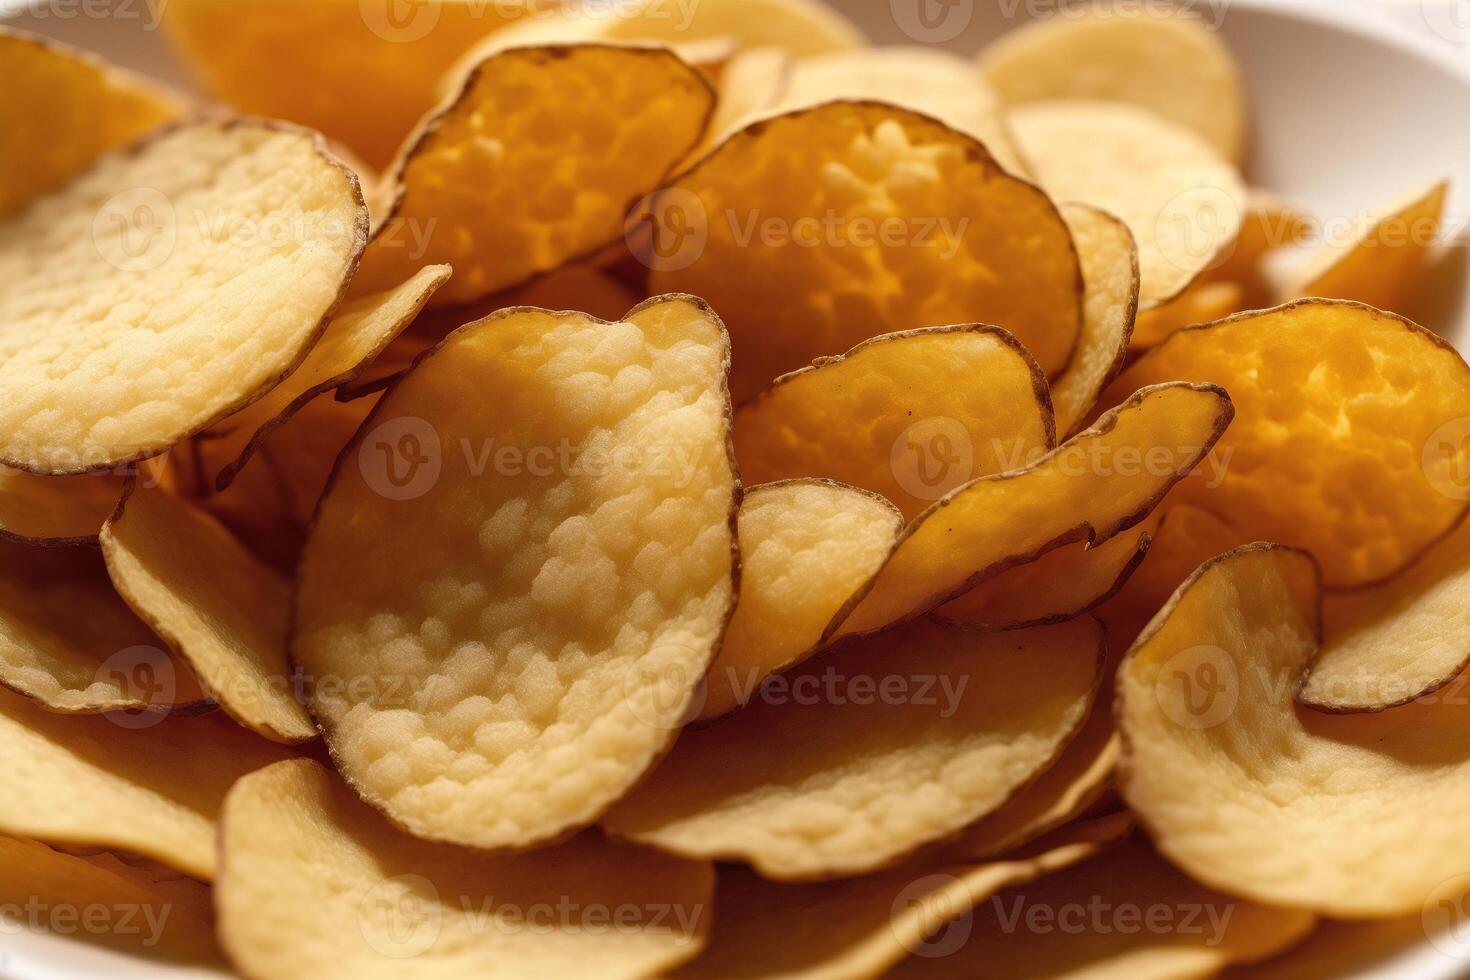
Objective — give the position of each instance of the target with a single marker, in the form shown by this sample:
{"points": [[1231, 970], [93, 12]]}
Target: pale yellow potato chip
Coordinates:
{"points": [[507, 603], [1104, 480], [220, 609], [63, 109], [534, 162], [55, 510], [1355, 816], [1180, 199], [868, 754], [166, 288], [805, 547], [1349, 434], [815, 230], [150, 786], [69, 642], [1123, 914], [1109, 307], [314, 883], [909, 416], [1164, 59], [1202, 302]]}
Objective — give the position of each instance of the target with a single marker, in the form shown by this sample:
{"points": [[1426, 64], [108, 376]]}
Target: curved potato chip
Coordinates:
{"points": [[551, 570], [572, 287], [313, 883], [805, 547], [55, 510], [1202, 302], [217, 606], [1355, 816], [1179, 198], [864, 756], [258, 508], [751, 85], [1269, 224], [815, 230], [1345, 439], [148, 785], [64, 108], [909, 416], [1166, 61], [303, 452], [1104, 480], [69, 642], [535, 162], [1123, 914], [1109, 307], [166, 288]]}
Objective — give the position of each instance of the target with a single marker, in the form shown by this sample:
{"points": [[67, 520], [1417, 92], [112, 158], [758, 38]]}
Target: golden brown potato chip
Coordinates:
{"points": [[1382, 259], [1203, 302], [1179, 198], [219, 608], [69, 642], [55, 510], [1100, 482], [815, 230], [1167, 61], [64, 108], [908, 415], [1349, 439], [1123, 914], [507, 603], [572, 287], [303, 452], [315, 883], [148, 785], [535, 162], [166, 288], [1355, 816], [861, 757], [805, 547], [259, 508]]}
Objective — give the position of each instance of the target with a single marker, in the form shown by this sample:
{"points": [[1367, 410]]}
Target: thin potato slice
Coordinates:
{"points": [[572, 287], [533, 163], [815, 230], [303, 452], [64, 108], [908, 415], [166, 288], [805, 547], [1355, 816], [314, 883], [153, 789], [1102, 481], [220, 608], [751, 85], [68, 642], [506, 604], [60, 510], [868, 754], [1344, 442], [859, 928], [1269, 224], [258, 508], [1123, 915], [1180, 199], [1203, 302], [1167, 61]]}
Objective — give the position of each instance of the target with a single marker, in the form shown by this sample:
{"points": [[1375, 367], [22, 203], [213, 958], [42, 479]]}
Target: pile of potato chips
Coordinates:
{"points": [[935, 518]]}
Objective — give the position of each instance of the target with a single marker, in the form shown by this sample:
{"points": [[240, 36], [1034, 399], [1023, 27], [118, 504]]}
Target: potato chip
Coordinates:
{"points": [[64, 108], [805, 547], [1355, 816], [1345, 442], [535, 162], [1382, 259], [572, 287], [908, 415], [315, 883], [221, 609], [1203, 302], [1109, 306], [506, 594], [68, 641], [259, 508], [55, 510], [1123, 914], [168, 287], [303, 452], [1268, 225], [751, 85], [818, 229], [859, 928], [861, 757], [148, 785], [1165, 60], [1100, 482]]}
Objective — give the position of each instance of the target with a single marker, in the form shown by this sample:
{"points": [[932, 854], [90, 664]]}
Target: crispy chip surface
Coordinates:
{"points": [[867, 754], [507, 602], [314, 882], [55, 510]]}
